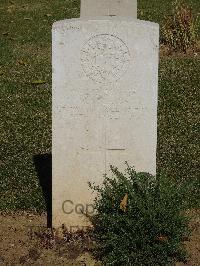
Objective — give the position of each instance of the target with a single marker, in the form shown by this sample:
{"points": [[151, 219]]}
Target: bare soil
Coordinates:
{"points": [[25, 240]]}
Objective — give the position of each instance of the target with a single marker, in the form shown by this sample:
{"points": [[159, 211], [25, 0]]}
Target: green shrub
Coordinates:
{"points": [[180, 31], [139, 219]]}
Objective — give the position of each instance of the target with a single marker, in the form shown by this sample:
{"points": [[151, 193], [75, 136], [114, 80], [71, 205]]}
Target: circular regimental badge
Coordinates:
{"points": [[105, 58]]}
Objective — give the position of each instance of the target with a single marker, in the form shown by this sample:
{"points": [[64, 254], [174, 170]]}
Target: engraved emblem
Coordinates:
{"points": [[105, 58]]}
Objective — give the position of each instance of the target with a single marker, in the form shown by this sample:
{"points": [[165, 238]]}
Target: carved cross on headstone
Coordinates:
{"points": [[123, 8]]}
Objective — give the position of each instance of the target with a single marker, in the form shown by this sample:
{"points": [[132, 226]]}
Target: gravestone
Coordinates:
{"points": [[96, 8], [105, 84]]}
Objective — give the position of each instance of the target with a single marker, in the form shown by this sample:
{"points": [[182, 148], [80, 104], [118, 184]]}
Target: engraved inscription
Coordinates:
{"points": [[105, 58]]}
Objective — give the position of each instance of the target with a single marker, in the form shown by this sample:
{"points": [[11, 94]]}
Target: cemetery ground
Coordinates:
{"points": [[25, 126]]}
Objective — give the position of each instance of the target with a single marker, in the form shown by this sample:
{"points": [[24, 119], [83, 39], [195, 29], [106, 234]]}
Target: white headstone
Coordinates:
{"points": [[94, 8], [105, 84]]}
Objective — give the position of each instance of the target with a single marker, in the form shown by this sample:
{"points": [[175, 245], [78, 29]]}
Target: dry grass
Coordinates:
{"points": [[180, 31]]}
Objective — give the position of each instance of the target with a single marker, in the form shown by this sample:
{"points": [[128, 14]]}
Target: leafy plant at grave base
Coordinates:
{"points": [[139, 219], [180, 31]]}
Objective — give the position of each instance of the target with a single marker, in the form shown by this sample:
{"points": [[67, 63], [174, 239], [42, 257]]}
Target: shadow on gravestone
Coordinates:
{"points": [[43, 165]]}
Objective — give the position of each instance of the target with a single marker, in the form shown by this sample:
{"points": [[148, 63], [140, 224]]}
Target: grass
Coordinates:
{"points": [[25, 107], [157, 10]]}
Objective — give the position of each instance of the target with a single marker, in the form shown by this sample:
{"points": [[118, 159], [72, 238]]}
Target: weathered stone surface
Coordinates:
{"points": [[105, 81], [96, 8]]}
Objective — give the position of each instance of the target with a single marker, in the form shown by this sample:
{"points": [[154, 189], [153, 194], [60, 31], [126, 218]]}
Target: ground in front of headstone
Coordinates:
{"points": [[25, 240]]}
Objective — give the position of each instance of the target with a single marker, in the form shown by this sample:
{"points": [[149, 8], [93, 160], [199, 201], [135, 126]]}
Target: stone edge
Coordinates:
{"points": [[59, 24]]}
